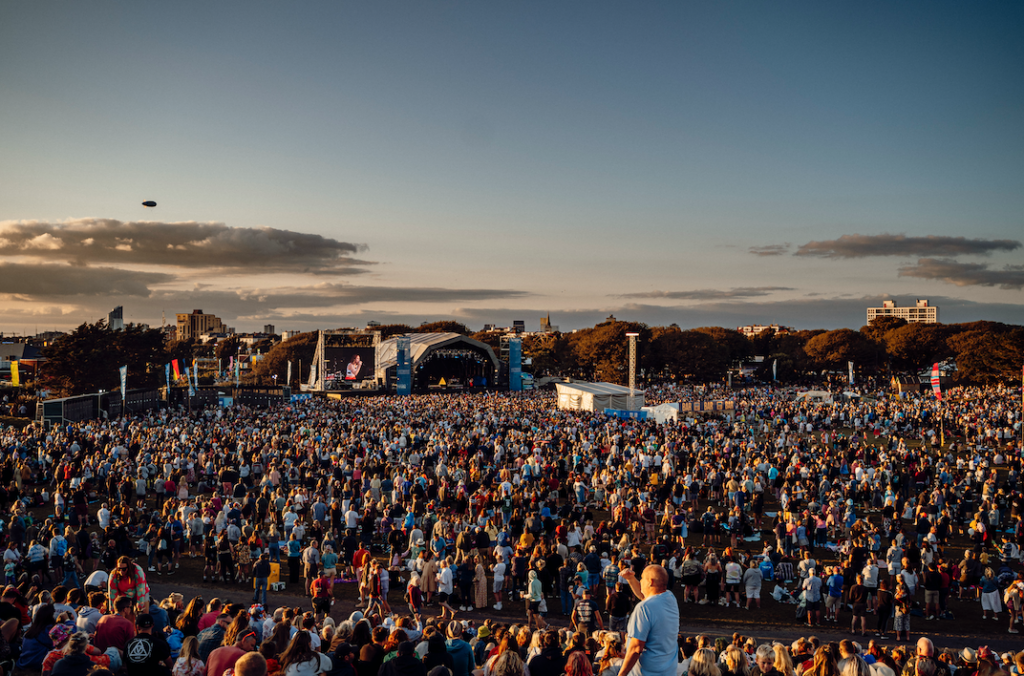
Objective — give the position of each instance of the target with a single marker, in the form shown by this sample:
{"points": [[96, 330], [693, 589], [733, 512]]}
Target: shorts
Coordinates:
{"points": [[813, 605], [753, 592], [831, 601], [901, 622], [860, 609], [331, 572], [534, 606], [990, 601], [732, 587], [931, 597], [691, 580], [442, 597], [322, 604], [498, 584]]}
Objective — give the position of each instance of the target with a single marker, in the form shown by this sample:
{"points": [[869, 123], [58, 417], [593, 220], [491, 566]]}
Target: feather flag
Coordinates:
{"points": [[935, 382]]}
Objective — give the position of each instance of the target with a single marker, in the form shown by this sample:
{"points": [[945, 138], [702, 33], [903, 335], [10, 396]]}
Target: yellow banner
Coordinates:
{"points": [[14, 374]]}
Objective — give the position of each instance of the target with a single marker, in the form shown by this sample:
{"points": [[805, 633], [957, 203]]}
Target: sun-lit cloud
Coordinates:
{"points": [[709, 294], [189, 244], [770, 249], [863, 246], [46, 281], [966, 274]]}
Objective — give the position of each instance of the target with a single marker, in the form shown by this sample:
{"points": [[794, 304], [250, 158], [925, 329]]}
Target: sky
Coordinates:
{"points": [[324, 164]]}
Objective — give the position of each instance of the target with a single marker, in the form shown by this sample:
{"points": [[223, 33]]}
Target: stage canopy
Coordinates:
{"points": [[596, 397], [441, 360]]}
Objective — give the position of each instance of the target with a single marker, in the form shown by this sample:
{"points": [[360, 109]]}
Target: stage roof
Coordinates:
{"points": [[420, 344]]}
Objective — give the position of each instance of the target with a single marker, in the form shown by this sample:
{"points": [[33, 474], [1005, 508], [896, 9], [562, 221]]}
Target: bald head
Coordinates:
{"points": [[925, 647], [657, 577]]}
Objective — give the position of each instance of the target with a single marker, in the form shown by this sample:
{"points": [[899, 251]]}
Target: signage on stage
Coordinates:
{"points": [[515, 365], [404, 366]]}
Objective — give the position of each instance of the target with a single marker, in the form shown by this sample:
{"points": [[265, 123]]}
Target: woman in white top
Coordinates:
{"points": [[300, 659]]}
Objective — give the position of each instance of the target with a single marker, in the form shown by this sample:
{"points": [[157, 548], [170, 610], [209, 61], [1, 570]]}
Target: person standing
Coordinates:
{"points": [[812, 597], [653, 626], [445, 588]]}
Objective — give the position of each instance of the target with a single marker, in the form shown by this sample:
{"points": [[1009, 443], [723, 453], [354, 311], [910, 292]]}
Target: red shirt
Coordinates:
{"points": [[223, 658], [208, 620], [113, 630]]}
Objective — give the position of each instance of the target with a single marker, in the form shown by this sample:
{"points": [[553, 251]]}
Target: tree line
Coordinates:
{"points": [[86, 360]]}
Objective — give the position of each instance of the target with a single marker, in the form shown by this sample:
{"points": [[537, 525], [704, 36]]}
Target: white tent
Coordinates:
{"points": [[596, 397], [662, 413]]}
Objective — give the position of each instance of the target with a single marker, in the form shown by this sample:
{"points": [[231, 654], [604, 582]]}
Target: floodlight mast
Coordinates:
{"points": [[632, 369]]}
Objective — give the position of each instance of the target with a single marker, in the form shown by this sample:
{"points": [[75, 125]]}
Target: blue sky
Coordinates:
{"points": [[496, 161]]}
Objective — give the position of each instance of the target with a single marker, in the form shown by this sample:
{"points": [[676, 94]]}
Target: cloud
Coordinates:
{"points": [[863, 246], [709, 294], [770, 249], [189, 244], [262, 303], [966, 274], [25, 281], [832, 312]]}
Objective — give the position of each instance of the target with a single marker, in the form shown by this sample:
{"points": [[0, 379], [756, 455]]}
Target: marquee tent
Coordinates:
{"points": [[596, 397]]}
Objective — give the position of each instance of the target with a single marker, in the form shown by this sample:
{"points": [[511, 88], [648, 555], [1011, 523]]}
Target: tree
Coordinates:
{"points": [[446, 326], [299, 349], [87, 359], [833, 349], [551, 353], [389, 330], [601, 353], [988, 357], [229, 347], [914, 346], [737, 345], [687, 354]]}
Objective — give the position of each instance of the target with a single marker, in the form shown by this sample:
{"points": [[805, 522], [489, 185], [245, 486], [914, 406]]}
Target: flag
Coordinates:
{"points": [[124, 381], [177, 369], [775, 365], [935, 381], [15, 381], [195, 373], [236, 373], [188, 379], [850, 364], [167, 374], [289, 381]]}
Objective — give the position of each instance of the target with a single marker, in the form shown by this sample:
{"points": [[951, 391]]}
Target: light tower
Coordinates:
{"points": [[632, 369]]}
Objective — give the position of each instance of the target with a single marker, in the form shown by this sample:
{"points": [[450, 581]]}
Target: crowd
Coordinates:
{"points": [[430, 507]]}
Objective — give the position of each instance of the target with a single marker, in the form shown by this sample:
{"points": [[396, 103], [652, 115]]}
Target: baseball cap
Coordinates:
{"points": [[144, 621]]}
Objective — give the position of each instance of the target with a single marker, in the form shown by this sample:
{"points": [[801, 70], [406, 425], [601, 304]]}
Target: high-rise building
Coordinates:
{"points": [[921, 313], [269, 329], [195, 324], [115, 319]]}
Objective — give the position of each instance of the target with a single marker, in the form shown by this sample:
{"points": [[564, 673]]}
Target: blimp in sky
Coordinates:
{"points": [[149, 203]]}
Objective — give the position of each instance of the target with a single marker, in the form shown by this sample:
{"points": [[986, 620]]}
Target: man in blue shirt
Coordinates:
{"points": [[653, 626], [835, 594]]}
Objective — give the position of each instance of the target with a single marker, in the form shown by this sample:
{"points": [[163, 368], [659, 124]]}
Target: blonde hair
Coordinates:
{"points": [[783, 662], [736, 660], [704, 663]]}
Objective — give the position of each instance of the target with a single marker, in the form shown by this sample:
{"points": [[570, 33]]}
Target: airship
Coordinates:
{"points": [[149, 203]]}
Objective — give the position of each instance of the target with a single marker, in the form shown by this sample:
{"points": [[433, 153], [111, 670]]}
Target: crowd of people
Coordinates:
{"points": [[428, 514]]}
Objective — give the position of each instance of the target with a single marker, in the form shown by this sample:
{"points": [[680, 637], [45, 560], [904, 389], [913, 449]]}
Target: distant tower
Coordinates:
{"points": [[115, 319]]}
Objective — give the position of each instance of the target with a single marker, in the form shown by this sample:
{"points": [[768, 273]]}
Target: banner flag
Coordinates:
{"points": [[177, 369], [124, 381], [935, 382], [15, 376], [188, 379], [775, 369], [289, 381], [167, 375], [850, 363]]}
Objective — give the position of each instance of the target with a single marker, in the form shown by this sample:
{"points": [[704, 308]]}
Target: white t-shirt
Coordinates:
{"points": [[499, 571]]}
